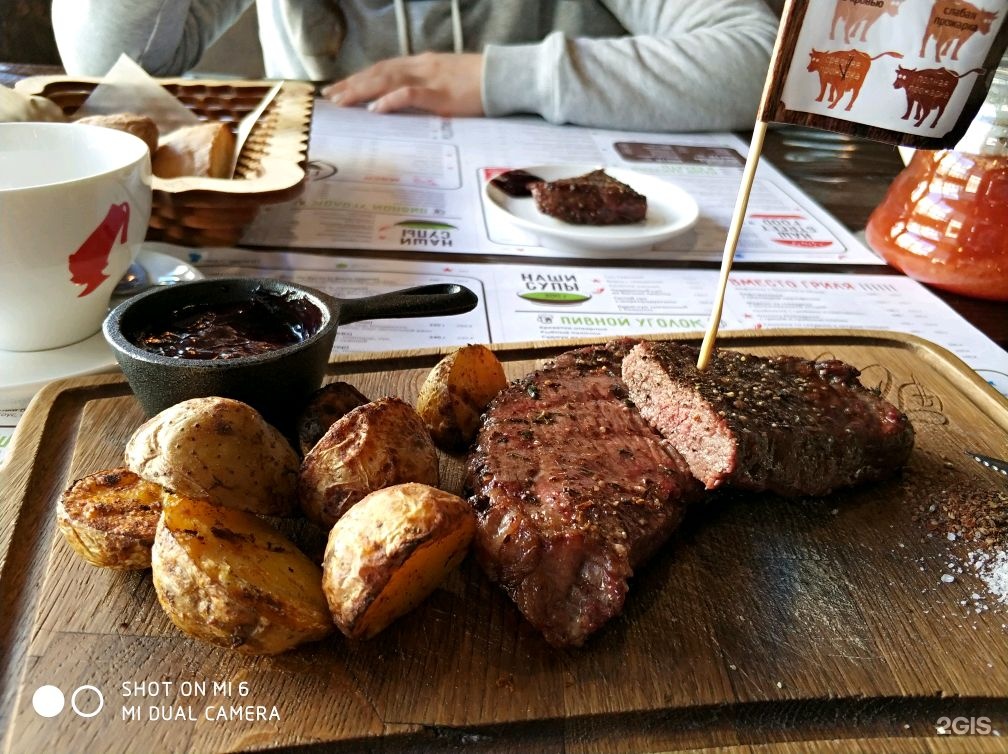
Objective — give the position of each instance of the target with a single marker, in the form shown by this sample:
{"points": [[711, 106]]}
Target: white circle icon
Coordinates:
{"points": [[48, 701], [98, 706]]}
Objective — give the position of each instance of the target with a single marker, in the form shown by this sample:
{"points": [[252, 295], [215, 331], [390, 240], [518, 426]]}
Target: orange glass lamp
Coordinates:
{"points": [[944, 220]]}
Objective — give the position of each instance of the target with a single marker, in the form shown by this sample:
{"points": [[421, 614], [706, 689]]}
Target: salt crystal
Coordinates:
{"points": [[951, 536], [948, 578], [733, 667], [992, 568], [975, 596], [780, 685]]}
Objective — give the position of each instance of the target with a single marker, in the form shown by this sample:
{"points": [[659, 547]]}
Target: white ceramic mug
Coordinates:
{"points": [[74, 205]]}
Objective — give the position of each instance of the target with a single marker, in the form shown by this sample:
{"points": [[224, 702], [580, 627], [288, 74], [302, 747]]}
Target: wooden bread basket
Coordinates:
{"points": [[198, 211]]}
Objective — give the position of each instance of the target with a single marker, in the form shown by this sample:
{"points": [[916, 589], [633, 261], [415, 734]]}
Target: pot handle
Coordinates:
{"points": [[423, 301]]}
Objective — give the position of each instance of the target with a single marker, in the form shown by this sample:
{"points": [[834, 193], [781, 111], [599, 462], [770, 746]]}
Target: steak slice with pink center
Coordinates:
{"points": [[781, 423], [573, 490]]}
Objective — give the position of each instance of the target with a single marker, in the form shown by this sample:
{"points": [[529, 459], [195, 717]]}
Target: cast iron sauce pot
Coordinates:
{"points": [[277, 382]]}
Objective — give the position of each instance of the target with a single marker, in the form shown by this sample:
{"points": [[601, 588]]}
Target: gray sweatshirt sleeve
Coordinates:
{"points": [[685, 65], [166, 37]]}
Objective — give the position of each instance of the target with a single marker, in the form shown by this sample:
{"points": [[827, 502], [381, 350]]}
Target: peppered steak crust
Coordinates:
{"points": [[783, 423], [572, 490], [595, 198]]}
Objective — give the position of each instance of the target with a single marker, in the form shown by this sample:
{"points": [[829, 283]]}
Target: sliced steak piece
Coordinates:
{"points": [[573, 490], [784, 424], [594, 198]]}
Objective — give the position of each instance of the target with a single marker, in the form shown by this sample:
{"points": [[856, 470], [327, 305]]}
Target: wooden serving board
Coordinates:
{"points": [[765, 625]]}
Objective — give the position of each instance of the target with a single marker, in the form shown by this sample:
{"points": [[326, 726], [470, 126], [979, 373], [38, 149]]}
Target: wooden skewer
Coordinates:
{"points": [[748, 173], [731, 242]]}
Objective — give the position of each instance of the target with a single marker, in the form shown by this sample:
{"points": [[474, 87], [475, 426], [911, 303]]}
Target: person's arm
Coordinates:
{"points": [[687, 65], [166, 37], [684, 65]]}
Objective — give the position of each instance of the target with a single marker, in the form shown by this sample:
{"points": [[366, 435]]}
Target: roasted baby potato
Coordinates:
{"points": [[325, 406], [219, 449], [229, 578], [109, 518], [456, 392], [374, 446], [390, 551]]}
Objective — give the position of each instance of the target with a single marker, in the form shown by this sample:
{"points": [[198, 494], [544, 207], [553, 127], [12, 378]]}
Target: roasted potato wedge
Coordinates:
{"points": [[374, 446], [456, 392], [325, 406], [390, 551], [109, 518], [227, 577], [219, 449]]}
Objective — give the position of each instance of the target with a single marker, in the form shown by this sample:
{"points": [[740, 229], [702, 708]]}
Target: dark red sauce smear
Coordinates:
{"points": [[229, 330], [515, 182]]}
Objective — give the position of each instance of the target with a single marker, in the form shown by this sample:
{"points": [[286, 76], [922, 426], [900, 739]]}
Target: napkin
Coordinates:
{"points": [[127, 88]]}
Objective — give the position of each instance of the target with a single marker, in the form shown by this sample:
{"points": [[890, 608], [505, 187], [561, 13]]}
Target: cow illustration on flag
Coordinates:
{"points": [[911, 72]]}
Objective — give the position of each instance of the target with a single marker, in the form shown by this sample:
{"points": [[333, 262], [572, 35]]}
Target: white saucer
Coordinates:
{"points": [[22, 373], [670, 211]]}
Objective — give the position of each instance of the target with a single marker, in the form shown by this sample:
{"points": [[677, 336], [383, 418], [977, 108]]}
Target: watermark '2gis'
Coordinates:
{"points": [[964, 726]]}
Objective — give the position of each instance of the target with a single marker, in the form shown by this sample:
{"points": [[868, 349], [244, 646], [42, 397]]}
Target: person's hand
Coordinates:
{"points": [[443, 83]]}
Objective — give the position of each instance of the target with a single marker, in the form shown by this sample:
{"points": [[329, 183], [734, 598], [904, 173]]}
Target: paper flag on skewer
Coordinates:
{"points": [[908, 72]]}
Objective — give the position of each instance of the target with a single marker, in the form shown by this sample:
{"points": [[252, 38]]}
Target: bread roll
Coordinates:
{"points": [[138, 125], [16, 107], [205, 149]]}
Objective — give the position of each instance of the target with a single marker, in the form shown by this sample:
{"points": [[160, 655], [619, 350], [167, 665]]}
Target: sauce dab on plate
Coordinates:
{"points": [[515, 182]]}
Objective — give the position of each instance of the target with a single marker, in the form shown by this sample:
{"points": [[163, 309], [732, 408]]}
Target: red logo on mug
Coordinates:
{"points": [[87, 264]]}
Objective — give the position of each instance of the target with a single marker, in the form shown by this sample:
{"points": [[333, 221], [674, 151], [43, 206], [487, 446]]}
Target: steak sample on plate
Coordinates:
{"points": [[595, 198], [782, 423], [572, 490]]}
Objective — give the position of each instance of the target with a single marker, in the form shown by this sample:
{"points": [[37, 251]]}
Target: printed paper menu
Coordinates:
{"points": [[415, 182], [524, 302]]}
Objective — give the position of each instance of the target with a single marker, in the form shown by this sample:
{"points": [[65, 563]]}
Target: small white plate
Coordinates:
{"points": [[23, 373], [670, 211]]}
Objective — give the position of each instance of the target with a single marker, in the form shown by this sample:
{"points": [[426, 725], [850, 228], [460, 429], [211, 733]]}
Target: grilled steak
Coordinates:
{"points": [[573, 490], [591, 199], [785, 424]]}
